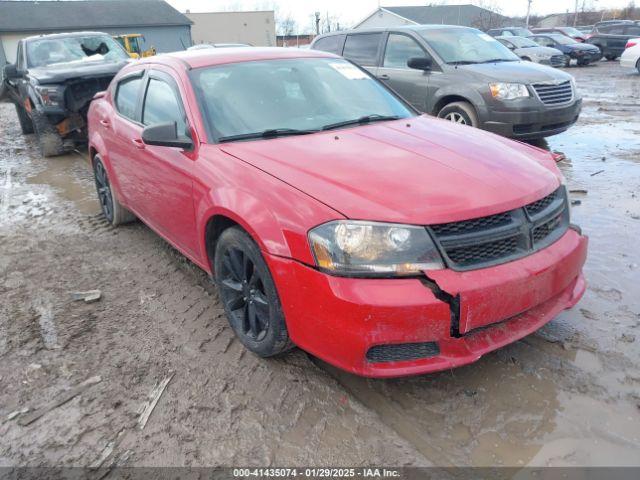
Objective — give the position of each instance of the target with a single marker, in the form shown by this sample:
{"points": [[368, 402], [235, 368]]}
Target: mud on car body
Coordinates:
{"points": [[331, 214], [53, 81]]}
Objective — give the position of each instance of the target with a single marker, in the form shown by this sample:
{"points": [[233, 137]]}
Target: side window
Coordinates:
{"points": [[363, 48], [507, 33], [545, 41], [632, 30], [400, 48], [161, 105], [612, 29], [127, 96], [332, 44]]}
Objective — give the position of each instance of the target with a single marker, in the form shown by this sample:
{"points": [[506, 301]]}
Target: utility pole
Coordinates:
{"points": [[575, 15], [528, 11], [317, 23]]}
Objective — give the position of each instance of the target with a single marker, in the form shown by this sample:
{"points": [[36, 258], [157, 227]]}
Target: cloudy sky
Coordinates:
{"points": [[351, 11]]}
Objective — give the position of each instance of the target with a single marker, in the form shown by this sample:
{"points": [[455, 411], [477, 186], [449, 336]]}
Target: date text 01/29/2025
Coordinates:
{"points": [[316, 473]]}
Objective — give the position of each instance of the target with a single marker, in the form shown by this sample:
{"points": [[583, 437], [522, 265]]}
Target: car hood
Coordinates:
{"points": [[67, 71], [538, 51], [582, 46], [518, 72], [418, 171]]}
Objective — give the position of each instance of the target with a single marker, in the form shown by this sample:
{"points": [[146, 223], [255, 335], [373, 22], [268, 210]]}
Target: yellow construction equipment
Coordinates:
{"points": [[131, 43]]}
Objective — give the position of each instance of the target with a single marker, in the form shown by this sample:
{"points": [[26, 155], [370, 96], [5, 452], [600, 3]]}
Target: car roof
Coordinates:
{"points": [[53, 36], [219, 56], [398, 28]]}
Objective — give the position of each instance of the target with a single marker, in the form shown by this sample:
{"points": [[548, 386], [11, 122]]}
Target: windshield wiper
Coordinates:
{"points": [[270, 133], [361, 121], [495, 60], [462, 62]]}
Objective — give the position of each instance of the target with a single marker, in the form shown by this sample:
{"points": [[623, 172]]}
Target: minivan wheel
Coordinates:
{"points": [[112, 210], [462, 113], [249, 294], [26, 125]]}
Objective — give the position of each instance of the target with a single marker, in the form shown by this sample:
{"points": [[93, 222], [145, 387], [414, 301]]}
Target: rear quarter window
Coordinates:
{"points": [[362, 48], [332, 44], [127, 94], [632, 30]]}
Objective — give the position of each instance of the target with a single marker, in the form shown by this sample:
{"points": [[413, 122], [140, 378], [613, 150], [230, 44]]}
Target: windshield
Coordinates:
{"points": [[562, 39], [52, 51], [521, 42], [289, 96], [466, 45]]}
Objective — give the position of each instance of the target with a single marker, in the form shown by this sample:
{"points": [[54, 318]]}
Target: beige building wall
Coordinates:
{"points": [[254, 28]]}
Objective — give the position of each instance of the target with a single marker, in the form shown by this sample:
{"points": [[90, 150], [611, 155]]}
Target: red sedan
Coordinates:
{"points": [[333, 216]]}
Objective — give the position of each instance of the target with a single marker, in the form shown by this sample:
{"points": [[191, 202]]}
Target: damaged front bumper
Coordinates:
{"points": [[396, 327]]}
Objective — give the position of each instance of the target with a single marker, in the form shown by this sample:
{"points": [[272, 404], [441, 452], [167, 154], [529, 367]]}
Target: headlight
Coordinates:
{"points": [[50, 96], [508, 91], [365, 249]]}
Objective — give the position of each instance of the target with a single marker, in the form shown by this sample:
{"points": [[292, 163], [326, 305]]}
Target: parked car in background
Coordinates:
{"points": [[530, 51], [53, 81], [204, 46], [630, 58], [509, 32], [611, 38], [570, 32], [331, 215], [582, 53], [463, 75]]}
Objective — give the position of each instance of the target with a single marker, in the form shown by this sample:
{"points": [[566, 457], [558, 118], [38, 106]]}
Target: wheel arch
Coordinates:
{"points": [[451, 98]]}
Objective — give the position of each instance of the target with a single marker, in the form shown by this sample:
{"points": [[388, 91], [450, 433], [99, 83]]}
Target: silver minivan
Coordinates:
{"points": [[463, 75]]}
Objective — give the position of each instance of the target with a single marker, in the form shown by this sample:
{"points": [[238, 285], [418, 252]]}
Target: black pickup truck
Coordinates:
{"points": [[53, 81], [611, 37]]}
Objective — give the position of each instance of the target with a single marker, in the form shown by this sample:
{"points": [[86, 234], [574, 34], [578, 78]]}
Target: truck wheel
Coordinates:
{"points": [[26, 125], [611, 57], [249, 295], [48, 137], [459, 112], [112, 210]]}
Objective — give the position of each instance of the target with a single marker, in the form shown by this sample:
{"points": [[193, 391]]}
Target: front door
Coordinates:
{"points": [[410, 84]]}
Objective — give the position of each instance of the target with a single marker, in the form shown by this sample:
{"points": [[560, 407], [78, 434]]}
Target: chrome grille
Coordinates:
{"points": [[557, 60], [495, 239], [554, 94]]}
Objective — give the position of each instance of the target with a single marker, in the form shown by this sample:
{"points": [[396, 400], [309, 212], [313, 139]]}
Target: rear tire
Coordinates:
{"points": [[26, 125], [638, 65], [49, 139], [611, 57], [112, 210], [462, 113], [249, 295]]}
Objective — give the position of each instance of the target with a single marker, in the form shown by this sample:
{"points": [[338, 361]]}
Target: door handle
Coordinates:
{"points": [[138, 143], [384, 76], [105, 123]]}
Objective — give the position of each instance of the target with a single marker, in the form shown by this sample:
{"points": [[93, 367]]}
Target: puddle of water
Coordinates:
{"points": [[57, 175]]}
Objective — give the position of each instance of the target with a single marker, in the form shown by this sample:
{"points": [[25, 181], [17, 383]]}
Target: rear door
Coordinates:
{"points": [[363, 49], [409, 83]]}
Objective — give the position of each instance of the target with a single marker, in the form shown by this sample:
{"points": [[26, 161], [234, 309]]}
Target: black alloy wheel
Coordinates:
{"points": [[105, 196], [243, 293], [248, 294]]}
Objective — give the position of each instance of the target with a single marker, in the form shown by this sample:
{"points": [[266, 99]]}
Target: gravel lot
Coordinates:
{"points": [[566, 395]]}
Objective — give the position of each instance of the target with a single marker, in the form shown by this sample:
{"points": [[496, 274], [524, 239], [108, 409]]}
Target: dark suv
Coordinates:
{"points": [[53, 81], [611, 38], [463, 75]]}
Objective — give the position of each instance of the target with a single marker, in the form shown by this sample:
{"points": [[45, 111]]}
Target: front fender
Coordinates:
{"points": [[469, 94]]}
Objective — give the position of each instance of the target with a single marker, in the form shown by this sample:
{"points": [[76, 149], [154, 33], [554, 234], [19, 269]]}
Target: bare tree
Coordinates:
{"points": [[286, 25]]}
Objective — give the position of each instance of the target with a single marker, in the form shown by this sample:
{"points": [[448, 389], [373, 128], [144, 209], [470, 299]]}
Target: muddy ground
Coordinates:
{"points": [[566, 395]]}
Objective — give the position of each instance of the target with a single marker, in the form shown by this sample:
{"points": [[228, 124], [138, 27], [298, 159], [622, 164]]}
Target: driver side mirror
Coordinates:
{"points": [[166, 135], [11, 71], [420, 63]]}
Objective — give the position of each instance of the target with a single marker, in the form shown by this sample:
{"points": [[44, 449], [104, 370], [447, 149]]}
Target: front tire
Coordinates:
{"points": [[112, 210], [26, 125], [461, 113], [249, 294], [49, 139], [638, 65]]}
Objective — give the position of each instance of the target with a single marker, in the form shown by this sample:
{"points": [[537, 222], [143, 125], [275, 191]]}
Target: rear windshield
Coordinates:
{"points": [[467, 45], [573, 32], [55, 51]]}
